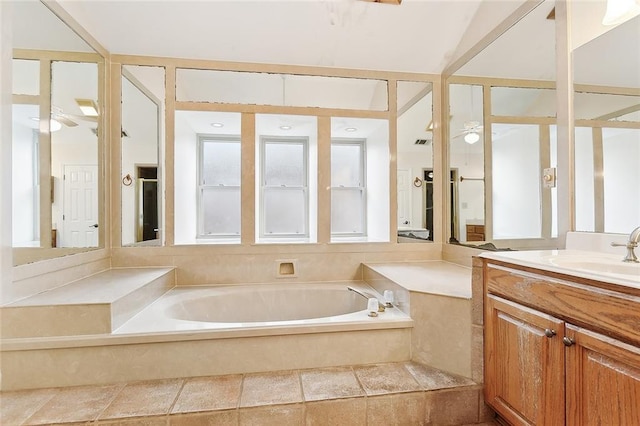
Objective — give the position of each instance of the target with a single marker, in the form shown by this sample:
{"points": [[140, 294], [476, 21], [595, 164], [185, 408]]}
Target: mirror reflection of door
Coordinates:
{"points": [[415, 155], [147, 203], [141, 133], [80, 206]]}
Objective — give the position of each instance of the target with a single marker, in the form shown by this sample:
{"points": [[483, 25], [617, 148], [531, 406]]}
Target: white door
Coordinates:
{"points": [[404, 198], [80, 206]]}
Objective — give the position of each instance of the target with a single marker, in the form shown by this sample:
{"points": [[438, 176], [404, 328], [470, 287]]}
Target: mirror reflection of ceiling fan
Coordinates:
{"points": [[471, 132], [88, 108]]}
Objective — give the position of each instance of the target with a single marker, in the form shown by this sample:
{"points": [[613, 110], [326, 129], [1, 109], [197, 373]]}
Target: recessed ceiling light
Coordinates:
{"points": [[285, 127], [88, 107], [350, 129], [217, 124]]}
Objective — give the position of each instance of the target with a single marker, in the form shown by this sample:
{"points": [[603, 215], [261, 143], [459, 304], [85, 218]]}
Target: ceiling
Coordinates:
{"points": [[416, 36]]}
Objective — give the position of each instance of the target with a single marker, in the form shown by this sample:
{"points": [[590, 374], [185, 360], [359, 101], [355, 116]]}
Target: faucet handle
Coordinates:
{"points": [[628, 244]]}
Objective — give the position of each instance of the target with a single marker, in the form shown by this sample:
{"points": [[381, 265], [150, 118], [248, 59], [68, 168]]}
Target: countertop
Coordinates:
{"points": [[591, 265], [433, 277]]}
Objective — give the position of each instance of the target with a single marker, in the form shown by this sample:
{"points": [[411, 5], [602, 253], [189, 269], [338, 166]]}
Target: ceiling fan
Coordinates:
{"points": [[88, 108], [471, 132]]}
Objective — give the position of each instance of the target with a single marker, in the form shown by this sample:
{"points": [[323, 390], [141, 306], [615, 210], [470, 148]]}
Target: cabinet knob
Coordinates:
{"points": [[549, 332], [568, 341]]}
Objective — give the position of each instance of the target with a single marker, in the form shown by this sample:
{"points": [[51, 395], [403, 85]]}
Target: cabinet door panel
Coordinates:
{"points": [[524, 366], [603, 380]]}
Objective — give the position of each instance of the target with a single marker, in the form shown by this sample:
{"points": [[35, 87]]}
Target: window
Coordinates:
{"points": [[348, 187], [219, 187], [284, 187]]}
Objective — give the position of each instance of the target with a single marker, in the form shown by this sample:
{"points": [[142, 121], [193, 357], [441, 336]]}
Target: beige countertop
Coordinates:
{"points": [[433, 277], [592, 265]]}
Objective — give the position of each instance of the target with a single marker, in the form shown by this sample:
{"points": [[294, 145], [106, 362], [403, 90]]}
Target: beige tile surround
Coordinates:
{"points": [[403, 393], [440, 295]]}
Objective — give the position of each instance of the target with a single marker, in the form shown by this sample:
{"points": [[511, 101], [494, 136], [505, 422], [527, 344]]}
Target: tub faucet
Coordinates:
{"points": [[367, 296], [634, 239]]}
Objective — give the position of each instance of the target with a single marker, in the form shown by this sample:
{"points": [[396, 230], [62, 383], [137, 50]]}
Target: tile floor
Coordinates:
{"points": [[382, 394]]}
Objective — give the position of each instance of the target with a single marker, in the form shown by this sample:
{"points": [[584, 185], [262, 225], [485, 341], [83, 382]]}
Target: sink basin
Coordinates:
{"points": [[599, 266]]}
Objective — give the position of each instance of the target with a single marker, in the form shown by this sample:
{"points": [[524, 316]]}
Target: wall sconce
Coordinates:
{"points": [[417, 182]]}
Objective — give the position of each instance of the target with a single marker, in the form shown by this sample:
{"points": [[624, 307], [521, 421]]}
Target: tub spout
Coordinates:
{"points": [[367, 296]]}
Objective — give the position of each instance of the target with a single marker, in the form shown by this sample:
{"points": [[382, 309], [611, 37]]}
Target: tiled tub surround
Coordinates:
{"points": [[96, 304], [403, 393], [156, 345], [438, 297]]}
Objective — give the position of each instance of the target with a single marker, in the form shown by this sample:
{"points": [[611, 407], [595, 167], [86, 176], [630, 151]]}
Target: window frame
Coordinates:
{"points": [[362, 187], [202, 139], [285, 140]]}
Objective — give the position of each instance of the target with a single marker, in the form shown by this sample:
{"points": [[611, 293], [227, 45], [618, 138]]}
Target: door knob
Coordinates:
{"points": [[568, 341], [549, 332], [95, 225]]}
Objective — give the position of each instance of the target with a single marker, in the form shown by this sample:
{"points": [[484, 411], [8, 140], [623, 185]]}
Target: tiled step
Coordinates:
{"points": [[95, 304], [403, 393]]}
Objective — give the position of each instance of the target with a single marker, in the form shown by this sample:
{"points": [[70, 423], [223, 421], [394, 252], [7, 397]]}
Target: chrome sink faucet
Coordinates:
{"points": [[634, 239]]}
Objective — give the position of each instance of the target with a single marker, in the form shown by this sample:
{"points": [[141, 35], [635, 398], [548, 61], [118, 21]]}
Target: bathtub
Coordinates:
{"points": [[218, 330], [247, 309]]}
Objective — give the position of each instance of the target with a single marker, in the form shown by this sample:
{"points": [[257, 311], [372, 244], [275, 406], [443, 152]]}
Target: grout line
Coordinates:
{"points": [[240, 395], [175, 399], [53, 395], [108, 404]]}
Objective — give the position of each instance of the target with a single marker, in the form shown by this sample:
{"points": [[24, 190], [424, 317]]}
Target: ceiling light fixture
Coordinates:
{"points": [[471, 138], [285, 127], [88, 107], [217, 124], [619, 11], [350, 129]]}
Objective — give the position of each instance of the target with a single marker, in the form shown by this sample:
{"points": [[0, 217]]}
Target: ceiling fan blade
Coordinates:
{"points": [[65, 120]]}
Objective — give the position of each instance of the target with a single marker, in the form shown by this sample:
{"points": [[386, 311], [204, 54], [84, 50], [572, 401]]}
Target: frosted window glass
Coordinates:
{"points": [[221, 211], [346, 211], [284, 164], [284, 211], [516, 182], [346, 165], [221, 163]]}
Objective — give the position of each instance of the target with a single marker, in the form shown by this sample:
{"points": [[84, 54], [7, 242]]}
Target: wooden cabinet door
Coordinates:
{"points": [[524, 364], [603, 380]]}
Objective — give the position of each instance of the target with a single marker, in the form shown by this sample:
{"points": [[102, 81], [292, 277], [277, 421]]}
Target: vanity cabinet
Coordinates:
{"points": [[560, 351]]}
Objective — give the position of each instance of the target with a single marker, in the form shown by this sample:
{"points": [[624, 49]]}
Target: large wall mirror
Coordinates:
{"points": [[607, 126], [502, 118], [415, 161], [57, 115], [141, 135]]}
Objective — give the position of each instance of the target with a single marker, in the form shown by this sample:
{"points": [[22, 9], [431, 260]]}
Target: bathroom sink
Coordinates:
{"points": [[599, 266]]}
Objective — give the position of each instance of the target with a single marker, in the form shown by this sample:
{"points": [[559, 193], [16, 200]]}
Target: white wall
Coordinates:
{"points": [[185, 180], [516, 184], [24, 194], [378, 182], [584, 178], [621, 149], [6, 53]]}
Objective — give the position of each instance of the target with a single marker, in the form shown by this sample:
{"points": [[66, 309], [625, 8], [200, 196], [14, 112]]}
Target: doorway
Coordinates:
{"points": [[80, 206], [147, 203]]}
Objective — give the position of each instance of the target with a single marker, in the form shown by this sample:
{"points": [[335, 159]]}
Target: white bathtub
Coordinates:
{"points": [[249, 308]]}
